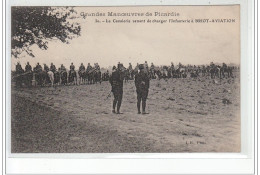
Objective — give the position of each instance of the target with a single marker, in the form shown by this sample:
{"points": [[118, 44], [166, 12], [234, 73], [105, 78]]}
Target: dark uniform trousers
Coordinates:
{"points": [[141, 96], [142, 88]]}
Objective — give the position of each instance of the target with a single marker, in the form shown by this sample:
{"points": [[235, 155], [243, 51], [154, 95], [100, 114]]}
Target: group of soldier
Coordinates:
{"points": [[142, 83], [141, 75], [38, 67]]}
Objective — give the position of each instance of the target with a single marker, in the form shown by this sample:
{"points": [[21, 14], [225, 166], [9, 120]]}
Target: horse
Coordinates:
{"points": [[82, 76], [56, 77], [51, 77]]}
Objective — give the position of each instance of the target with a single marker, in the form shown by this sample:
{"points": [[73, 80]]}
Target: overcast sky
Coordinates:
{"points": [[188, 43]]}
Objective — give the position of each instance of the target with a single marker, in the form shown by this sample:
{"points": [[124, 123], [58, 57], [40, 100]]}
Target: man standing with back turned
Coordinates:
{"points": [[116, 81], [142, 84]]}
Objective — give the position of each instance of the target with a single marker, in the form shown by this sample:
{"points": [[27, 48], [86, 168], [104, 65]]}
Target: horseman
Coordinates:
{"points": [[81, 67], [46, 68], [97, 67], [53, 68], [28, 67], [146, 66], [172, 69], [152, 70], [89, 67], [130, 67], [38, 68], [62, 68], [18, 68], [72, 68]]}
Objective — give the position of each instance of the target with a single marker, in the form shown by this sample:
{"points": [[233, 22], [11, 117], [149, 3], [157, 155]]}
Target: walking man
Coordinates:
{"points": [[142, 84], [116, 81]]}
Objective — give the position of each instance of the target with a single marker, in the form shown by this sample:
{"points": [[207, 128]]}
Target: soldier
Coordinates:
{"points": [[89, 67], [62, 67], [53, 68], [28, 67], [146, 66], [38, 68], [72, 67], [142, 84], [116, 81], [130, 67], [97, 67], [152, 71], [46, 68], [19, 68], [81, 67]]}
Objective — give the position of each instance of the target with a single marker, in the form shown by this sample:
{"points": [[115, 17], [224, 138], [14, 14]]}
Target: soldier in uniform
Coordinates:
{"points": [[142, 84], [116, 81], [53, 68], [38, 68], [152, 71], [28, 67], [81, 67], [89, 67], [72, 67], [19, 68], [46, 68], [62, 68]]}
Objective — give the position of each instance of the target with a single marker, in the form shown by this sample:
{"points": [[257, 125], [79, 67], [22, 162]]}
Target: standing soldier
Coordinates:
{"points": [[28, 67], [116, 81], [142, 88], [53, 68]]}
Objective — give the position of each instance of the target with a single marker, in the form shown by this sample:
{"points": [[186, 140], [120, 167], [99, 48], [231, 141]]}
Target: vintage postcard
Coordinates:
{"points": [[137, 79]]}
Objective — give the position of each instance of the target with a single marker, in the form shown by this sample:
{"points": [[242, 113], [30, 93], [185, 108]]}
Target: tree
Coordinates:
{"points": [[38, 25]]}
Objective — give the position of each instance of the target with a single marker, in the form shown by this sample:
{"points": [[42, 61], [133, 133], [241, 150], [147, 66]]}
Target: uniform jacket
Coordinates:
{"points": [[142, 82], [116, 81]]}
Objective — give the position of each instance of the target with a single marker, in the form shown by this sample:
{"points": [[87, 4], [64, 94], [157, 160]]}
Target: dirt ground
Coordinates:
{"points": [[186, 115]]}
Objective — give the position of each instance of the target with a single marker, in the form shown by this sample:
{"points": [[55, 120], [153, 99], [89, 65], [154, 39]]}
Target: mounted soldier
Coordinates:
{"points": [[38, 68], [82, 73], [63, 74], [53, 68], [72, 74], [46, 68], [28, 74], [28, 67]]}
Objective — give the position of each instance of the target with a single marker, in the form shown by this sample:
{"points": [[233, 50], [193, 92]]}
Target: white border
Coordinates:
{"points": [[146, 163]]}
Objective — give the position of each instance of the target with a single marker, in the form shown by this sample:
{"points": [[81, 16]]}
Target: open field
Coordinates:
{"points": [[186, 115]]}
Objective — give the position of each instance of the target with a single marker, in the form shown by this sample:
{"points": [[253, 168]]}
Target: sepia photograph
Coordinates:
{"points": [[115, 79]]}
